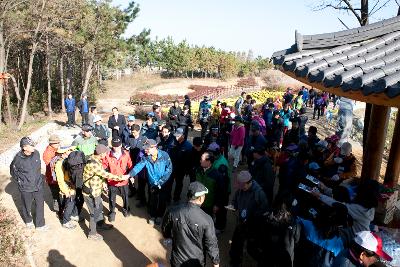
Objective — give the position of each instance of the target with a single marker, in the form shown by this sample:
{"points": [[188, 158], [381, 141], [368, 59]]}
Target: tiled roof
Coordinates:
{"points": [[365, 59]]}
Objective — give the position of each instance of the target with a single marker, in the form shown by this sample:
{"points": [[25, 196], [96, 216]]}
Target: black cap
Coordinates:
{"points": [[116, 142], [87, 128], [196, 189], [26, 141]]}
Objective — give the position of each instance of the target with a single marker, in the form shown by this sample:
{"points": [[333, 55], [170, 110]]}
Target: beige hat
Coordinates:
{"points": [[96, 118], [54, 139]]}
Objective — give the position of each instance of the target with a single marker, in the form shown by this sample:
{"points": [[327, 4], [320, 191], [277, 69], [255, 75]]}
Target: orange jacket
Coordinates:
{"points": [[119, 166], [48, 155]]}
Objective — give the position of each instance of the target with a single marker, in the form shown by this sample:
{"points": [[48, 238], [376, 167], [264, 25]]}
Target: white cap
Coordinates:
{"points": [[372, 242], [96, 118]]}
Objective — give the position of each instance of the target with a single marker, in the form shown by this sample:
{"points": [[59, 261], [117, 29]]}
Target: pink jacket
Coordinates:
{"points": [[237, 135]]}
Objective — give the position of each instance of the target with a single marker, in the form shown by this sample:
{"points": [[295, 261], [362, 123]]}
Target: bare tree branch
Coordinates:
{"points": [[343, 23], [350, 6], [373, 10]]}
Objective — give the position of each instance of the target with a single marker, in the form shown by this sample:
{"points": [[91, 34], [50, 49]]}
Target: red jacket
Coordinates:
{"points": [[48, 155], [119, 166]]}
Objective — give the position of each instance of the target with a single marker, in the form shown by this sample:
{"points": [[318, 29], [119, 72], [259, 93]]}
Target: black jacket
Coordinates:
{"points": [[26, 171], [262, 172], [192, 232], [180, 156], [167, 144], [121, 122], [173, 115]]}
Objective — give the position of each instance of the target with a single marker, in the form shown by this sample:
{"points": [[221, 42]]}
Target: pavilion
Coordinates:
{"points": [[361, 64]]}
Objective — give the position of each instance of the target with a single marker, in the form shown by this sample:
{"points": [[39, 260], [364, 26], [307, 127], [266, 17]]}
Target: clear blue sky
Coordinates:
{"points": [[264, 26]]}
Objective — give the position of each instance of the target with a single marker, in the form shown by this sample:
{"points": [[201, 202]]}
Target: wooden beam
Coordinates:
{"points": [[375, 145], [393, 165], [376, 99]]}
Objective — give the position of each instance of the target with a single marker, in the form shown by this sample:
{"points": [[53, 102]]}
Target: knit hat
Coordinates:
{"points": [[54, 139], [372, 242], [100, 149], [26, 141]]}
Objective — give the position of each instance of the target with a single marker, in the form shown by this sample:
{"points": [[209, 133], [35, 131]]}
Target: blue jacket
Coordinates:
{"points": [[286, 117], [158, 172], [69, 104], [126, 133], [83, 106], [268, 115]]}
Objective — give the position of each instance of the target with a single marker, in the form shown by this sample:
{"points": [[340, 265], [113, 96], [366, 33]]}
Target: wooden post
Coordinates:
{"points": [[375, 144], [393, 165]]}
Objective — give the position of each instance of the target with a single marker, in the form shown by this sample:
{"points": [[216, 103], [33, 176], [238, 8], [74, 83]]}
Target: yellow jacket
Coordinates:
{"points": [[63, 179]]}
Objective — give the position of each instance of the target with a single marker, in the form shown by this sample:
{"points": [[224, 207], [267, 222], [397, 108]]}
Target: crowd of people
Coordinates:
{"points": [[296, 196]]}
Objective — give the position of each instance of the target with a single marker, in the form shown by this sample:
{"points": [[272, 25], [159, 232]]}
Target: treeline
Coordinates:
{"points": [[184, 60], [51, 47]]}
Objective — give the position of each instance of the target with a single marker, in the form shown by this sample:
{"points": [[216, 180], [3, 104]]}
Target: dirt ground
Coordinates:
{"points": [[132, 242]]}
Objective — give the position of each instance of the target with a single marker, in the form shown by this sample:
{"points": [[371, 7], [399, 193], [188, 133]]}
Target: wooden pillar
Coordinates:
{"points": [[393, 165], [375, 144]]}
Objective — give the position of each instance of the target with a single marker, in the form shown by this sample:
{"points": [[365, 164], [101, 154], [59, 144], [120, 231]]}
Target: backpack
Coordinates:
{"points": [[52, 167], [204, 113], [75, 164]]}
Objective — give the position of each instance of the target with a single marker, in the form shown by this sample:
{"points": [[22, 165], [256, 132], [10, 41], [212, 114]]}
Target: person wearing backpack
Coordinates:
{"points": [[118, 162], [239, 103], [75, 164], [48, 154], [94, 177], [204, 115], [67, 186], [100, 131]]}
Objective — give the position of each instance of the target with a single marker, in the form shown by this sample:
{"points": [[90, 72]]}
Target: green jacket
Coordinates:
{"points": [[210, 179], [86, 145], [223, 161]]}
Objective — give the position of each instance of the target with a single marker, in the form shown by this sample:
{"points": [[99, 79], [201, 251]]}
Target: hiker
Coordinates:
{"points": [[159, 168], [318, 106], [275, 137], [126, 131], [292, 136], [69, 104], [86, 142], [116, 123], [216, 113], [288, 96], [251, 203], [157, 112], [173, 114], [204, 115], [188, 249], [188, 103], [344, 166], [298, 101], [180, 156], [254, 140], [286, 114], [48, 154], [150, 127], [94, 177], [214, 181], [195, 156], [262, 172], [75, 163], [237, 136], [118, 162], [92, 115], [83, 106], [303, 118], [67, 187], [185, 121], [100, 131], [306, 95], [135, 148], [239, 103], [365, 250], [268, 115], [25, 169], [167, 140], [222, 166]]}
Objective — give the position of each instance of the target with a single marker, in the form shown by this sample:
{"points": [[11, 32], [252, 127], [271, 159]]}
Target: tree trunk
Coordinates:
{"points": [[16, 90], [88, 74], [62, 82], [69, 76], [28, 87], [8, 104], [2, 65], [48, 77], [398, 11]]}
